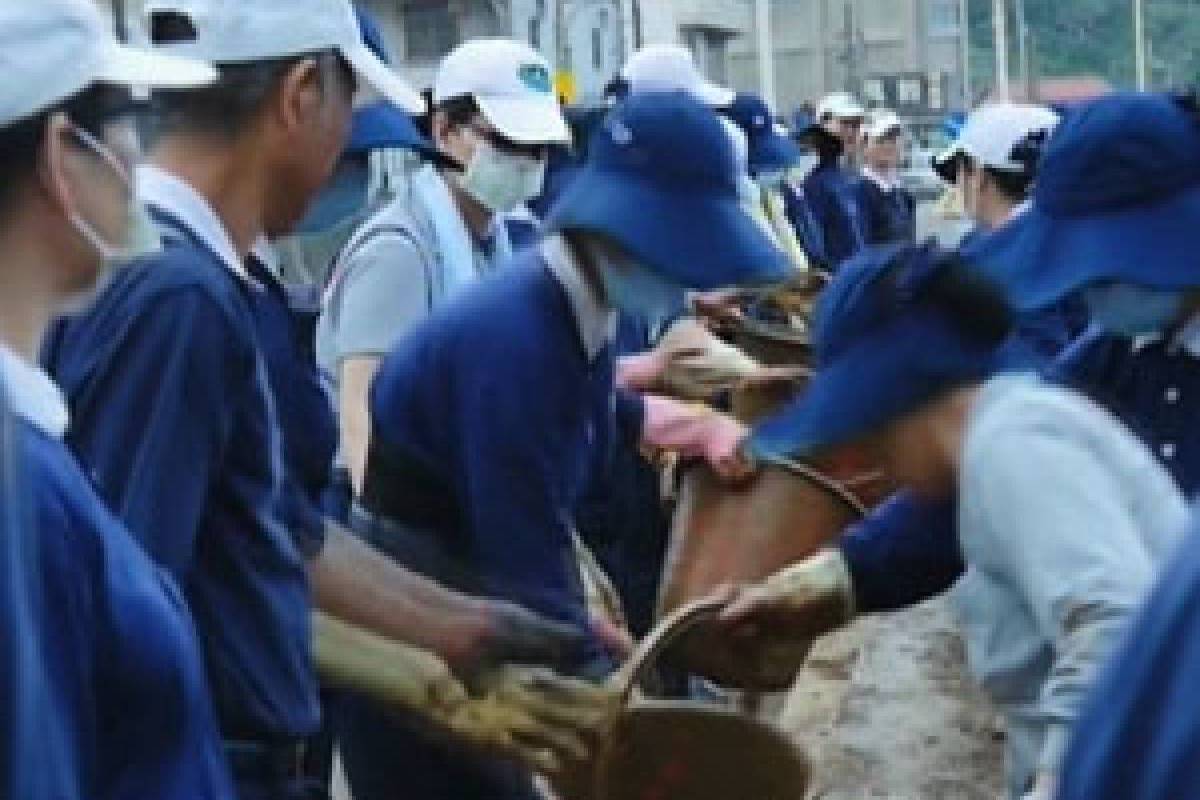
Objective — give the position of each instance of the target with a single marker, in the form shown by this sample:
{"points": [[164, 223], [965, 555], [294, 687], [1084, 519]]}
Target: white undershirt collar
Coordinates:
{"points": [[160, 189], [33, 395]]}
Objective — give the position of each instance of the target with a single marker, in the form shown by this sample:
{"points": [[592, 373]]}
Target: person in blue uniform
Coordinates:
{"points": [[484, 419], [175, 417], [104, 688], [907, 551], [1129, 251], [1064, 515], [1139, 362], [889, 211], [824, 198]]}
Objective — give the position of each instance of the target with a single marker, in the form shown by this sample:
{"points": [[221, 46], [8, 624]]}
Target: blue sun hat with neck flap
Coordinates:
{"points": [[381, 124], [1117, 200], [889, 335], [661, 181], [770, 149]]}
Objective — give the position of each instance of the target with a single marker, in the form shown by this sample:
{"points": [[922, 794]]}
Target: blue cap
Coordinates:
{"points": [[382, 125], [660, 180], [768, 149], [804, 123], [882, 350], [1117, 199]]}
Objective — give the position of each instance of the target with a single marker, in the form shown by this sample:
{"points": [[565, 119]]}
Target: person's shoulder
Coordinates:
{"points": [[177, 273], [68, 512], [513, 296], [1011, 407], [503, 319]]}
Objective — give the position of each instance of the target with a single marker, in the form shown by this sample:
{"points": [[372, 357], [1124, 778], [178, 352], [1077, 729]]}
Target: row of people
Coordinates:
{"points": [[1054, 504]]}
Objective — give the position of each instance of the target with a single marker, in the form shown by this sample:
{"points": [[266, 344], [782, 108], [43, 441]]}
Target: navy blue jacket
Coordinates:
{"points": [[484, 421], [621, 516], [887, 215], [307, 422], [121, 661], [804, 221], [1138, 737], [173, 418], [831, 197], [899, 558]]}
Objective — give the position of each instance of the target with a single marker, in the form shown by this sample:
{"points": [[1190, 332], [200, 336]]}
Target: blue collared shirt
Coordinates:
{"points": [[491, 409], [174, 420], [125, 706]]}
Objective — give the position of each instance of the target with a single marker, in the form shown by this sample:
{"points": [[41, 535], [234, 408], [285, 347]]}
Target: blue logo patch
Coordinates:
{"points": [[536, 77]]}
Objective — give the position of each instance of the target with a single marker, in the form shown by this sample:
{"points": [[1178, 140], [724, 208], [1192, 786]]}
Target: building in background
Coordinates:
{"points": [[902, 54]]}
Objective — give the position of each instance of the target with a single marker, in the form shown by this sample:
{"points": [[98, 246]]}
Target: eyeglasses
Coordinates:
{"points": [[536, 152]]}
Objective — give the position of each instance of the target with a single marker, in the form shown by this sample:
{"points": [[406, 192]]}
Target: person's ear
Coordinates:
{"points": [[299, 96], [58, 166]]}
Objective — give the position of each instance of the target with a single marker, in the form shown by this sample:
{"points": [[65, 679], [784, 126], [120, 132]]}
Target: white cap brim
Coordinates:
{"points": [[950, 153], [382, 80], [526, 120], [715, 96], [148, 69]]}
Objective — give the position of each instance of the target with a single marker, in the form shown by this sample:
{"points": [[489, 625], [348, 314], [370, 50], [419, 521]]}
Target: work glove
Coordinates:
{"points": [[691, 363], [696, 431], [515, 635], [529, 715], [763, 636], [547, 721]]}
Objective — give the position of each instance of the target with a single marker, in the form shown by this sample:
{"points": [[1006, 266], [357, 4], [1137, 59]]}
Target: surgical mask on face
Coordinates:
{"points": [[502, 181], [1131, 310], [638, 291], [139, 236]]}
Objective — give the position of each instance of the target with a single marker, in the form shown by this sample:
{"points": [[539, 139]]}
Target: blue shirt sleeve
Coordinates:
{"points": [[905, 552], [154, 454]]}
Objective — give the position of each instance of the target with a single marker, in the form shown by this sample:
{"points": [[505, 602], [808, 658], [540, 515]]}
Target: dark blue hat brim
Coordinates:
{"points": [[883, 377], [692, 237], [381, 126], [772, 152], [1040, 259]]}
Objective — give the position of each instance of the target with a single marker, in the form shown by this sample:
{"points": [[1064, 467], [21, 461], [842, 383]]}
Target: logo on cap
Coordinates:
{"points": [[536, 77]]}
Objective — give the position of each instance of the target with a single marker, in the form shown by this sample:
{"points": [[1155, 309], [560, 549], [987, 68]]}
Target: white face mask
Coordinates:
{"points": [[502, 181], [139, 236], [636, 290]]}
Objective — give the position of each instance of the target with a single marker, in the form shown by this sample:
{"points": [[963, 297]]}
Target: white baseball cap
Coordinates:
{"points": [[992, 133], [670, 68], [243, 31], [881, 123], [52, 49], [512, 85], [840, 105]]}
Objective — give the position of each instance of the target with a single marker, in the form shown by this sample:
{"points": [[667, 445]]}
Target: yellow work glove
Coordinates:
{"points": [[547, 720], [529, 715]]}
